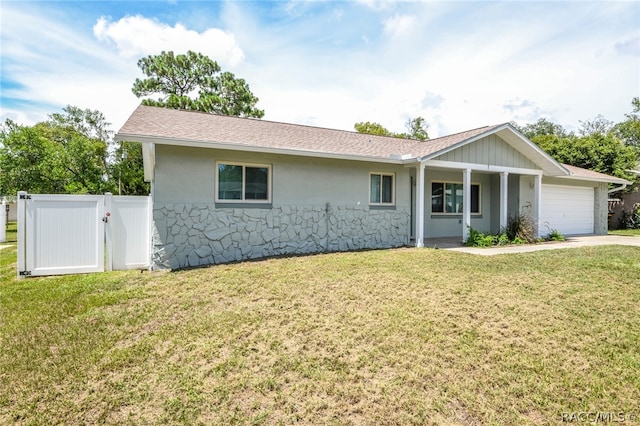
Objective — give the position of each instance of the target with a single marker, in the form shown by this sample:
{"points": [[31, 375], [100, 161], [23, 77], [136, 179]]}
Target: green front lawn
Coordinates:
{"points": [[634, 232], [408, 336], [11, 233]]}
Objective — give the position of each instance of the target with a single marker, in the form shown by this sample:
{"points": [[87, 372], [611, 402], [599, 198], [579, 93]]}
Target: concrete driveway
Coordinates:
{"points": [[570, 242]]}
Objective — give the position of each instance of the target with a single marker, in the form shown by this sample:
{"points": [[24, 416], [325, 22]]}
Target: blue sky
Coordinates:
{"points": [[459, 64]]}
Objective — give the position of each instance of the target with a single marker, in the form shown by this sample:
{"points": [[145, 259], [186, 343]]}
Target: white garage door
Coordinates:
{"points": [[568, 209]]}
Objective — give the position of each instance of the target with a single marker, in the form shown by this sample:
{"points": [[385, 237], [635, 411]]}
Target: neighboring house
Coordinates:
{"points": [[227, 188]]}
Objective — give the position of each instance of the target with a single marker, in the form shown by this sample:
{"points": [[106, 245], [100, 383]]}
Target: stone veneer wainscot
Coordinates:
{"points": [[199, 234]]}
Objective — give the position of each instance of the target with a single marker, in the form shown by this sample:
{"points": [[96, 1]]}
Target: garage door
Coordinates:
{"points": [[568, 209]]}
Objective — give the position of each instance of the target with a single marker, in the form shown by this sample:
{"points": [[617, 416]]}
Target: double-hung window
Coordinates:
{"points": [[243, 182], [381, 189], [447, 198]]}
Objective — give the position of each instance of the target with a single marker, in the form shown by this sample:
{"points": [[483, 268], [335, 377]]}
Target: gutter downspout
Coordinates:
{"points": [[619, 188]]}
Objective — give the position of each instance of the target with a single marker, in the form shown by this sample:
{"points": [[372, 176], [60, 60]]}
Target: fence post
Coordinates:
{"points": [[3, 221], [22, 236], [108, 205]]}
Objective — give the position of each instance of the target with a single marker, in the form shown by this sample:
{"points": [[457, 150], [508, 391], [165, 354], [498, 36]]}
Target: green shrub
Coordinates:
{"points": [[631, 219], [521, 227], [478, 239], [502, 239], [555, 235]]}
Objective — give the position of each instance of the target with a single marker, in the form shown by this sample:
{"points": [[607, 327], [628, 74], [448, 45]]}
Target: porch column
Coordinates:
{"points": [[466, 203], [504, 191], [538, 207], [420, 205]]}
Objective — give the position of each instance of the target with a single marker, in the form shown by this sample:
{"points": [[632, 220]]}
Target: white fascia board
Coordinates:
{"points": [[481, 167], [596, 179], [149, 161], [395, 159]]}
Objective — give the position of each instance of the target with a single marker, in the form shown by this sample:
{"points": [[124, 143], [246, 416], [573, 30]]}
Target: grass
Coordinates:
{"points": [[633, 232], [11, 233], [407, 336]]}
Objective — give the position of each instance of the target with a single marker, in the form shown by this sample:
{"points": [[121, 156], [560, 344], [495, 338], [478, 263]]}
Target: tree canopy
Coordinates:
{"points": [[71, 152], [599, 152], [193, 81], [416, 129], [599, 144], [540, 128], [372, 128], [629, 130]]}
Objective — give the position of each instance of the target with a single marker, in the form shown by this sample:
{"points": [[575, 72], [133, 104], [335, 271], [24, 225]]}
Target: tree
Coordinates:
{"points": [[193, 81], [540, 128], [602, 153], [26, 161], [127, 170], [629, 130], [417, 129], [597, 125], [371, 128], [68, 153]]}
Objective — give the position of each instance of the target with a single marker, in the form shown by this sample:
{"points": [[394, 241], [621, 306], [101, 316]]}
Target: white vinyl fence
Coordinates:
{"points": [[3, 221], [68, 234]]}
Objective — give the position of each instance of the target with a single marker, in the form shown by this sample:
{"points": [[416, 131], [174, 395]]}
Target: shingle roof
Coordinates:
{"points": [[167, 125], [170, 126], [579, 172]]}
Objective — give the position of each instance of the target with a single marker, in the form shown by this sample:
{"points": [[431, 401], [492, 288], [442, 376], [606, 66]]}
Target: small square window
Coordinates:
{"points": [[243, 182], [381, 189]]}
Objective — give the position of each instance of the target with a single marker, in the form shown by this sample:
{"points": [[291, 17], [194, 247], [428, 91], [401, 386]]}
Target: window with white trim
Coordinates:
{"points": [[381, 189], [243, 182], [447, 198]]}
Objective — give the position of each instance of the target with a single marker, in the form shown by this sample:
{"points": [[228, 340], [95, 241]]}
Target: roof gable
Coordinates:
{"points": [[488, 150]]}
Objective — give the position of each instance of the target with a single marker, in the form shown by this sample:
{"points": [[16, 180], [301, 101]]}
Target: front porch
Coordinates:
{"points": [[449, 198]]}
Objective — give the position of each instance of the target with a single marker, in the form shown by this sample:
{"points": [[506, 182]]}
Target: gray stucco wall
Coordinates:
{"points": [[317, 205]]}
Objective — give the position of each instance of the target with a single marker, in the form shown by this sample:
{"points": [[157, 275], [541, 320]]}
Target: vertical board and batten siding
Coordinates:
{"points": [[64, 234], [568, 209], [129, 231], [488, 150]]}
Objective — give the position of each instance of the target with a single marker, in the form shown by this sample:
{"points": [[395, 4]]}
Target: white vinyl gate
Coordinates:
{"points": [[68, 234], [128, 238]]}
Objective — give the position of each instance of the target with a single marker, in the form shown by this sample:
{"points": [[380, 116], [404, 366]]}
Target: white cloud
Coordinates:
{"points": [[136, 36], [378, 4], [629, 47], [399, 26], [431, 100]]}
